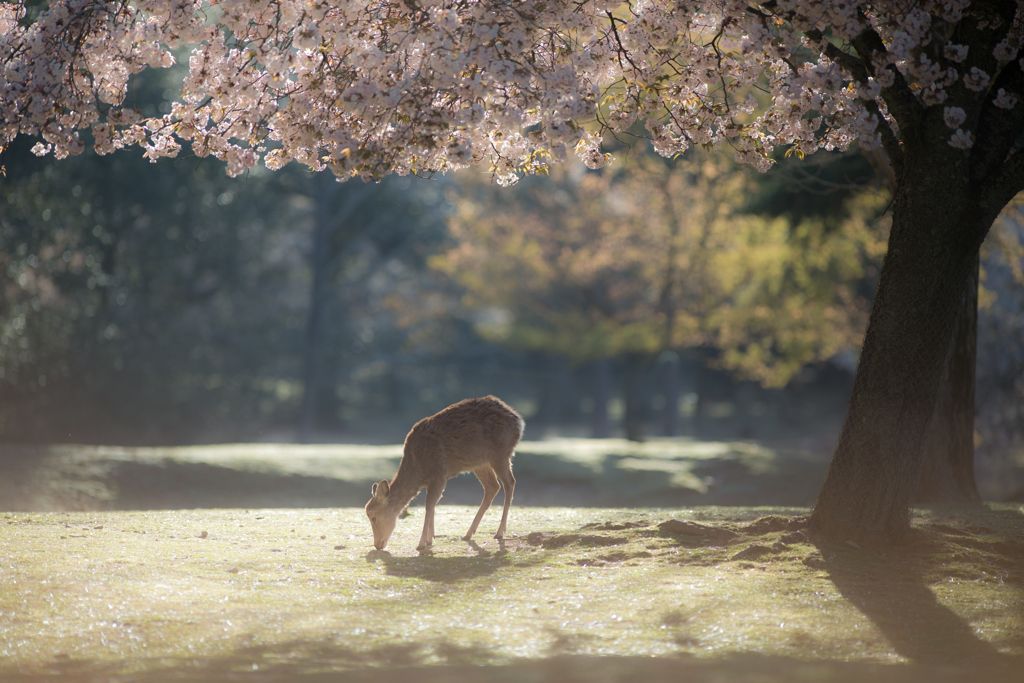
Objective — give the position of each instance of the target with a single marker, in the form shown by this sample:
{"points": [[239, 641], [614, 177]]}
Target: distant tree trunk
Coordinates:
{"points": [[327, 244], [601, 391], [743, 402], [705, 386], [938, 226], [669, 366], [551, 377], [320, 261], [633, 420], [948, 474]]}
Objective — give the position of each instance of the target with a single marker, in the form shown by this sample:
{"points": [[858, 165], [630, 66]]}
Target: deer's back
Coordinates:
{"points": [[463, 436]]}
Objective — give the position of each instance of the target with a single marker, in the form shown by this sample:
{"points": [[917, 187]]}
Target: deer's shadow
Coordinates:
{"points": [[445, 568]]}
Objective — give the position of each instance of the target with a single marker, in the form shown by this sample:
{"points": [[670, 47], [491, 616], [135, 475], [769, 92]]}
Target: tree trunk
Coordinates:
{"points": [[549, 380], [329, 242], [633, 420], [874, 473], [948, 474], [668, 364], [396, 402], [743, 400]]}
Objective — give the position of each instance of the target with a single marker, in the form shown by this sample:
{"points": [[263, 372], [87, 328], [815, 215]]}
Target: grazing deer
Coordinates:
{"points": [[477, 435]]}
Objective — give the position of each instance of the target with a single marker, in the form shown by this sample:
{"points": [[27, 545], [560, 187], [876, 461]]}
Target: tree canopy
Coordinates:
{"points": [[370, 87]]}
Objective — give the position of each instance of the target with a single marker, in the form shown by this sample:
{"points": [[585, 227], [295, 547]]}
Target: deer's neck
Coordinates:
{"points": [[404, 486]]}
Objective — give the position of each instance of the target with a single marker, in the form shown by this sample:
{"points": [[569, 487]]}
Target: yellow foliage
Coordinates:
{"points": [[651, 255]]}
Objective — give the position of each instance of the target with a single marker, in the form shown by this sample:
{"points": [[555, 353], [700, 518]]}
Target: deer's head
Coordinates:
{"points": [[382, 517]]}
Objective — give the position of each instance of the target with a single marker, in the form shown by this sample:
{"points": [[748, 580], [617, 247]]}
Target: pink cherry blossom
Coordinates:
{"points": [[976, 79], [961, 139], [954, 116], [954, 53], [1005, 100], [1005, 50], [371, 87]]}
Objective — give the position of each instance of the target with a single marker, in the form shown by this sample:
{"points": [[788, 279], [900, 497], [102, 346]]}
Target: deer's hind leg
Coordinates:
{"points": [[491, 487], [504, 473]]}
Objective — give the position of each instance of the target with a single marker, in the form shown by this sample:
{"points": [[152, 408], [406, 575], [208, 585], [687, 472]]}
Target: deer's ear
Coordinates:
{"points": [[381, 490]]}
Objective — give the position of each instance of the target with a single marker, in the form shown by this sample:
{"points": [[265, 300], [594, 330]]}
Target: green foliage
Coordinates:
{"points": [[167, 302], [817, 187], [125, 281]]}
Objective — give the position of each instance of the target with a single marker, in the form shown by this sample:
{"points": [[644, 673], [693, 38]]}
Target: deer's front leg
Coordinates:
{"points": [[434, 491]]}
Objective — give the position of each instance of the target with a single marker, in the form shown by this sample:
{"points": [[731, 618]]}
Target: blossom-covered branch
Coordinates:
{"points": [[371, 87]]}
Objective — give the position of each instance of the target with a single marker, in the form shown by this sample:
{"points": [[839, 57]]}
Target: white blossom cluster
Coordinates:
{"points": [[370, 87]]}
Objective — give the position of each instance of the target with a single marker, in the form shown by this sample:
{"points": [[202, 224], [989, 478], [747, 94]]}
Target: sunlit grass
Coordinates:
{"points": [[301, 591]]}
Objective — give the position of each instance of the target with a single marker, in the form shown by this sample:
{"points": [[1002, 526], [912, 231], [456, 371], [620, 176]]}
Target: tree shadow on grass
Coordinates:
{"points": [[44, 478], [894, 592], [286, 661], [41, 478], [174, 485]]}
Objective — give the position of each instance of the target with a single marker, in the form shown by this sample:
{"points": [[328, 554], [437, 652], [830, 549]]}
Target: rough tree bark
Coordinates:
{"points": [[947, 476], [948, 471], [938, 227]]}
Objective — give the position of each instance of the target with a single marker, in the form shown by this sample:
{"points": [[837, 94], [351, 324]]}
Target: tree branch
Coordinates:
{"points": [[859, 70], [1002, 185], [902, 103], [997, 129]]}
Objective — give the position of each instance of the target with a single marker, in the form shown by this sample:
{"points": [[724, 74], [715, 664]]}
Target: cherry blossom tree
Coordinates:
{"points": [[371, 87]]}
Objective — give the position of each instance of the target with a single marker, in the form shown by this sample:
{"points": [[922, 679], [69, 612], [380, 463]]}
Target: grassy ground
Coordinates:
{"points": [[717, 594], [625, 568]]}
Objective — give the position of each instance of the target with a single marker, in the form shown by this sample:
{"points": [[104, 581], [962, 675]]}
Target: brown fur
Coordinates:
{"points": [[477, 435]]}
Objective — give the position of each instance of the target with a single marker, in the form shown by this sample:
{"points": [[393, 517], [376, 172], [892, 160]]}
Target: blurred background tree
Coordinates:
{"points": [[124, 305], [148, 303], [649, 258]]}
